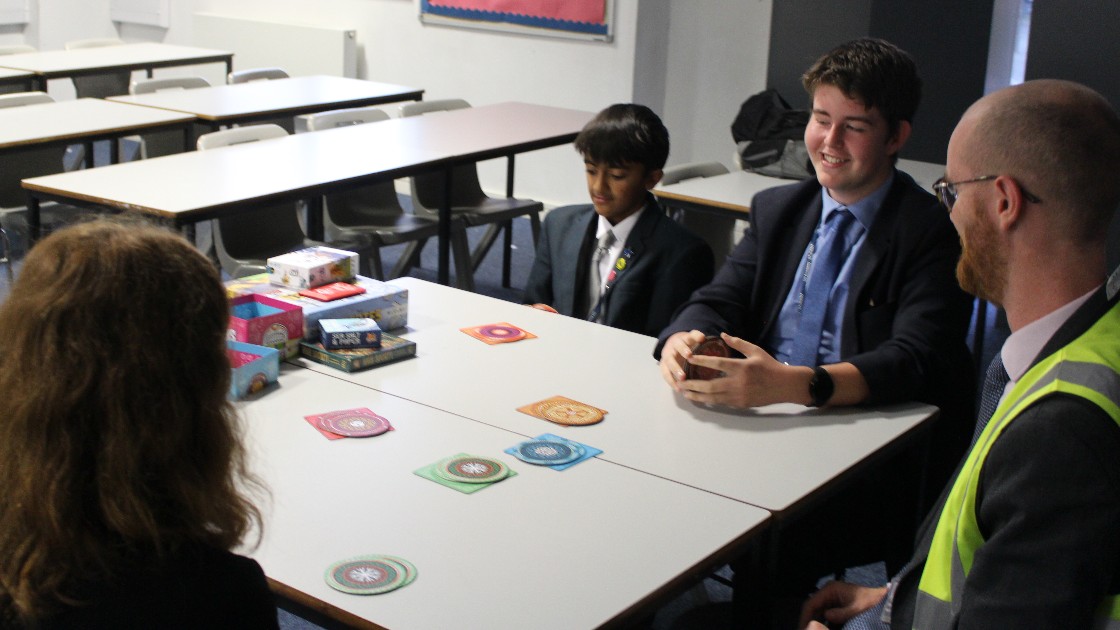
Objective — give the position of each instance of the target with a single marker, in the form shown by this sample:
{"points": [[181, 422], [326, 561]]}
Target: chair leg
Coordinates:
{"points": [[374, 269], [507, 251], [409, 258], [460, 249], [6, 258], [535, 223], [484, 244]]}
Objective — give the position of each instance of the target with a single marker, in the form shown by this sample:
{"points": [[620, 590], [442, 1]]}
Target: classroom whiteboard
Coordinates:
{"points": [[152, 12], [583, 19]]}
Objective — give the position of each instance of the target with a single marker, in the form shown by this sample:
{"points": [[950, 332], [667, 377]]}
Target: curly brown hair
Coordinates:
{"points": [[117, 442]]}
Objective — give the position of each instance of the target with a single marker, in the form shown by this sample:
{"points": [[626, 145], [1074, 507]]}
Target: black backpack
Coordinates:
{"points": [[770, 137]]}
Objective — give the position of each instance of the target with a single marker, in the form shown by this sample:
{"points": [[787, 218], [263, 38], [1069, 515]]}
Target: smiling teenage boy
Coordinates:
{"points": [[889, 323], [618, 261]]}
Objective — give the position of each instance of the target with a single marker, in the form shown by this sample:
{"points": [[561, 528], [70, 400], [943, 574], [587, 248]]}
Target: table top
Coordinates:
{"points": [[72, 120], [297, 95], [544, 549], [60, 63], [733, 191], [9, 75], [773, 457], [204, 184]]}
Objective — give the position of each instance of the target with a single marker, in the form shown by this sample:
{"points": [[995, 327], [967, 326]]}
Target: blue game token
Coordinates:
{"points": [[548, 452]]}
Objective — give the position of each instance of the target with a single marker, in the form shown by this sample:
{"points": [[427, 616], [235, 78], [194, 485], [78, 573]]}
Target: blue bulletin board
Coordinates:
{"points": [[583, 19]]}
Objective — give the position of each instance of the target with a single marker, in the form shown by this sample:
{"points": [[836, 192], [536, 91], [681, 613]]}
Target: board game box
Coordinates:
{"points": [[392, 348], [382, 302]]}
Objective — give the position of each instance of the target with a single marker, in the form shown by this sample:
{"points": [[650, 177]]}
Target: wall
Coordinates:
{"points": [[1076, 41], [693, 62]]}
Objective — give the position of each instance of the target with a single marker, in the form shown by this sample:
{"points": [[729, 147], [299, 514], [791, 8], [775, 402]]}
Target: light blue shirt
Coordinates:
{"points": [[785, 329]]}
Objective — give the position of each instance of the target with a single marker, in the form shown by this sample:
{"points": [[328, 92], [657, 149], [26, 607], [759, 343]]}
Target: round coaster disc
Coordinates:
{"points": [[569, 412], [548, 453], [472, 469], [355, 424], [710, 347], [366, 575], [503, 333]]}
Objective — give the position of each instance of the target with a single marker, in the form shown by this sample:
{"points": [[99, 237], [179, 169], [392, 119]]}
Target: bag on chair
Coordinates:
{"points": [[770, 137]]}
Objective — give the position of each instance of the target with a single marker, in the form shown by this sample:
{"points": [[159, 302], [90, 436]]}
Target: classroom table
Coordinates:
{"points": [[58, 64], [247, 103], [595, 545], [21, 78], [730, 194], [83, 120], [190, 187]]}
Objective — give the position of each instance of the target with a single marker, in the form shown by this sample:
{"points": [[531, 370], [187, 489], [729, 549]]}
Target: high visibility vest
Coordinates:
{"points": [[1088, 367]]}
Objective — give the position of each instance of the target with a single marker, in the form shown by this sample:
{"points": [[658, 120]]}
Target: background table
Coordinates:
{"points": [[83, 120], [593, 545], [58, 64], [25, 80], [246, 103], [730, 194]]}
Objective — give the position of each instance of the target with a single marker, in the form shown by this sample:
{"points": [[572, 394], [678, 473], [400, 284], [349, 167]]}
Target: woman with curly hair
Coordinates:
{"points": [[124, 483]]}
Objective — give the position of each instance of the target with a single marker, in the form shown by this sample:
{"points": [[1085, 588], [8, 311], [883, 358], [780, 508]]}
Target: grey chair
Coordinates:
{"points": [[717, 231], [468, 202], [263, 74], [167, 142], [19, 164], [102, 84], [255, 74], [374, 210], [245, 240]]}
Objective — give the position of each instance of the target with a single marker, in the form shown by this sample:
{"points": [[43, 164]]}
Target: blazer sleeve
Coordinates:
{"points": [[688, 266], [538, 289]]}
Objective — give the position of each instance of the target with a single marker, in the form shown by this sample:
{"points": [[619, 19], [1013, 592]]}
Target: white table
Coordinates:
{"points": [[83, 120], [22, 78], [56, 64], [592, 545], [194, 186], [774, 457], [246, 103], [730, 194]]}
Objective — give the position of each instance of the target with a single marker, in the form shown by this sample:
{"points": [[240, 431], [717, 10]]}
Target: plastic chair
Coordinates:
{"points": [[17, 49], [163, 143], [255, 74], [717, 231], [245, 240], [19, 164], [468, 202], [374, 210], [104, 84]]}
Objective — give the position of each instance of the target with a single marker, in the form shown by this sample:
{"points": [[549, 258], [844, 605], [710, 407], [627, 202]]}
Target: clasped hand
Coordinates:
{"points": [[753, 381]]}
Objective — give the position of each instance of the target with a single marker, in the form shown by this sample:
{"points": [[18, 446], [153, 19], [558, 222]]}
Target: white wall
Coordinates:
{"points": [[692, 61]]}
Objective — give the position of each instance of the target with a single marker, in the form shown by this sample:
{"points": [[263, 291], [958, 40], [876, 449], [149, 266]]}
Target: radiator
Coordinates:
{"points": [[299, 49]]}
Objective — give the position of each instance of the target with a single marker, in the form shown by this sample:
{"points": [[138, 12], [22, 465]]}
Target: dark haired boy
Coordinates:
{"points": [[619, 261]]}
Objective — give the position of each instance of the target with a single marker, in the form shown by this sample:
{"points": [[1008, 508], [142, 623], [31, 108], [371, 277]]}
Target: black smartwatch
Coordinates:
{"points": [[820, 387]]}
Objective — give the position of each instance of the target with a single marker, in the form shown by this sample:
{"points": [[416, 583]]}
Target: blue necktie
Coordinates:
{"points": [[823, 261]]}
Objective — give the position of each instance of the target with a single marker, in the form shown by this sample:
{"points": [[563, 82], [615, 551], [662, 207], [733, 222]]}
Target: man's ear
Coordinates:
{"points": [[899, 138], [653, 177], [1011, 200]]}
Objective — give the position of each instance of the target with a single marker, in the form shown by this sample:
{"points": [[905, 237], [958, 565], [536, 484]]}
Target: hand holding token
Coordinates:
{"points": [[753, 381], [675, 355]]}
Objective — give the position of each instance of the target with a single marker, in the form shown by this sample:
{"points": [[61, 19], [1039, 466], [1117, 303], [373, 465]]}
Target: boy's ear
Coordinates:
{"points": [[653, 177]]}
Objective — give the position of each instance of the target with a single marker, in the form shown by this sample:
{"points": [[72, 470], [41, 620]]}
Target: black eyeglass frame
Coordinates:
{"points": [[946, 191]]}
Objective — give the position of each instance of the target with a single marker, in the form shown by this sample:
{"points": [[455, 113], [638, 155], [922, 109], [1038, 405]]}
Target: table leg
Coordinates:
{"points": [[442, 274], [33, 228], [315, 229], [89, 154], [507, 240], [114, 150]]}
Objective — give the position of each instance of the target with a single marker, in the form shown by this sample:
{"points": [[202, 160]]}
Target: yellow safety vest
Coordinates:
{"points": [[1088, 367]]}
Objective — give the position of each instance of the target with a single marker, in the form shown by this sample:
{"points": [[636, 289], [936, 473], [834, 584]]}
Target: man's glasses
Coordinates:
{"points": [[947, 191]]}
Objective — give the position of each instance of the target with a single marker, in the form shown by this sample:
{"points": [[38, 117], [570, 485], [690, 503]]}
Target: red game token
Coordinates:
{"points": [[710, 347]]}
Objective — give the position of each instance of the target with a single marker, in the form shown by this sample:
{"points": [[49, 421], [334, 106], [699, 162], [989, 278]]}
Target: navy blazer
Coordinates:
{"points": [[905, 320], [667, 265]]}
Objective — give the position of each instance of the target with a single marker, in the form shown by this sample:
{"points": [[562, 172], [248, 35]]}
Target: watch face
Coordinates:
{"points": [[820, 387]]}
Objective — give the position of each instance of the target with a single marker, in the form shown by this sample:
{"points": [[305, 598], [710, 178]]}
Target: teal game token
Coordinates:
{"points": [[471, 469], [366, 575]]}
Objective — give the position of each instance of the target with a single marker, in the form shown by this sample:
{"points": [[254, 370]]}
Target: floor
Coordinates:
{"points": [[687, 607]]}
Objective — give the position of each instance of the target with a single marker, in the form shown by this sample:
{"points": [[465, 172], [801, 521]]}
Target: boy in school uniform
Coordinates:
{"points": [[620, 260]]}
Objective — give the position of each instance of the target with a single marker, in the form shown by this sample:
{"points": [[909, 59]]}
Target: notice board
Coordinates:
{"points": [[585, 19]]}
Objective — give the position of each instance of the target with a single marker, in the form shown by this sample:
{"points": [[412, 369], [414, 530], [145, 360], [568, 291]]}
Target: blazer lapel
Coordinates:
{"points": [[576, 254], [802, 233]]}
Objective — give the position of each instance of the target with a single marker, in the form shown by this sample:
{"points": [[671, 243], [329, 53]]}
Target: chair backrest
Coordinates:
{"points": [[148, 86], [19, 99], [427, 190], [717, 231], [104, 84], [247, 238], [239, 135], [255, 74], [97, 42], [16, 49], [340, 118], [19, 164], [681, 172], [440, 105]]}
